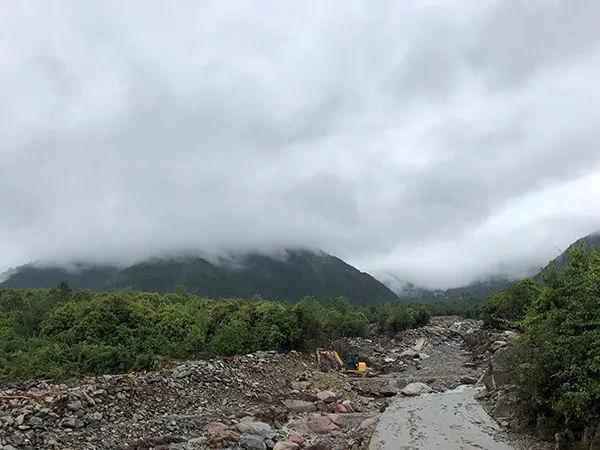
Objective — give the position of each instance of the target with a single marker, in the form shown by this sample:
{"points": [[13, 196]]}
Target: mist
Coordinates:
{"points": [[440, 143]]}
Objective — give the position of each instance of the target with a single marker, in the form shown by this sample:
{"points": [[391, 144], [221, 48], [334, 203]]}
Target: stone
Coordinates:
{"points": [[300, 385], [72, 422], [419, 344], [215, 428], [321, 425], [286, 445], [256, 428], [410, 353], [370, 422], [74, 405], [496, 374], [252, 442], [35, 421], [198, 442], [299, 406], [414, 389], [468, 380], [338, 419], [506, 405], [327, 396], [298, 439], [349, 406]]}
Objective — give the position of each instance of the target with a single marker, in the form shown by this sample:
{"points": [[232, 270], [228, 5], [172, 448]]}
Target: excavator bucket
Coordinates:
{"points": [[329, 360]]}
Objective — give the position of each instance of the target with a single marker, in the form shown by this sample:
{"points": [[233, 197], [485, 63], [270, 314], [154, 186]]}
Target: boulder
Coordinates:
{"points": [[370, 422], [298, 439], [255, 428], [286, 445], [468, 380], [410, 353], [496, 374], [327, 396], [252, 442], [338, 419], [216, 428], [299, 406], [321, 425], [300, 385], [414, 389], [71, 422], [506, 405], [419, 344]]}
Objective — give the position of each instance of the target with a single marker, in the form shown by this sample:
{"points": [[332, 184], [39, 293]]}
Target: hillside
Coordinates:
{"points": [[477, 290], [301, 273], [591, 241]]}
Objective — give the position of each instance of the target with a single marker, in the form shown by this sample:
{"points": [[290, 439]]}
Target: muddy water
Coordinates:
{"points": [[451, 420]]}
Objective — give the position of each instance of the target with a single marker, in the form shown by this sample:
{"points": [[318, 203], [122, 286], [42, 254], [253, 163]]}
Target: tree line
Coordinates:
{"points": [[56, 333], [556, 363]]}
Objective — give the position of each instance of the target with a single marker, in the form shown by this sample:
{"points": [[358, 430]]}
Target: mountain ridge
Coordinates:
{"points": [[297, 274]]}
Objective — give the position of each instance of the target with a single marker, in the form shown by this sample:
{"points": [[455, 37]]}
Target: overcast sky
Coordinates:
{"points": [[439, 141]]}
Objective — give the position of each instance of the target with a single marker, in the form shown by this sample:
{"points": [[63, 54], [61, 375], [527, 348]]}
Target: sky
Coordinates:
{"points": [[437, 141]]}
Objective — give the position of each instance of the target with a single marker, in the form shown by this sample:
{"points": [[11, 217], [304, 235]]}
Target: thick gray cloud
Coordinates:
{"points": [[440, 142]]}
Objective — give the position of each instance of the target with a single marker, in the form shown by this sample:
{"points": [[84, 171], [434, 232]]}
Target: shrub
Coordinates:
{"points": [[557, 361], [56, 332], [507, 308]]}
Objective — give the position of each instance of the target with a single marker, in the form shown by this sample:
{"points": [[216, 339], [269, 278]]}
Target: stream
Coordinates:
{"points": [[450, 420]]}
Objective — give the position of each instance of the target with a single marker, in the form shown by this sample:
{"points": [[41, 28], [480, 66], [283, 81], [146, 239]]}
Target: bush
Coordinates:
{"points": [[507, 308], [557, 361], [53, 333]]}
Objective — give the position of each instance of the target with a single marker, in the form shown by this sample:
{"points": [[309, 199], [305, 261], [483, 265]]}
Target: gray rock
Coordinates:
{"points": [[255, 428], [35, 421], [506, 405], [252, 442], [468, 380], [419, 344], [72, 422], [74, 405], [327, 396], [414, 389], [299, 405], [300, 385], [496, 374], [286, 445], [410, 353]]}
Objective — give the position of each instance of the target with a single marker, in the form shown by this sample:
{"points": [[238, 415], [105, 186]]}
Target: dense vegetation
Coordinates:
{"points": [[557, 361], [55, 333], [288, 277]]}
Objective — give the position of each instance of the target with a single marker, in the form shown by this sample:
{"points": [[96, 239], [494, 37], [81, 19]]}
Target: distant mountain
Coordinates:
{"points": [[478, 290], [590, 241], [296, 274]]}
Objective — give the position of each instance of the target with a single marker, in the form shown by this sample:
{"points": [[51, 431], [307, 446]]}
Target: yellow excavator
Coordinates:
{"points": [[331, 360]]}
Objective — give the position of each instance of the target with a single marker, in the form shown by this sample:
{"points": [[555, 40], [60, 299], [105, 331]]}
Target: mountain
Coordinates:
{"points": [[590, 241], [297, 274], [478, 290]]}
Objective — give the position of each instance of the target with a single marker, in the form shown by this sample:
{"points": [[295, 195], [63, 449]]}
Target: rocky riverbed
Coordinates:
{"points": [[258, 401]]}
